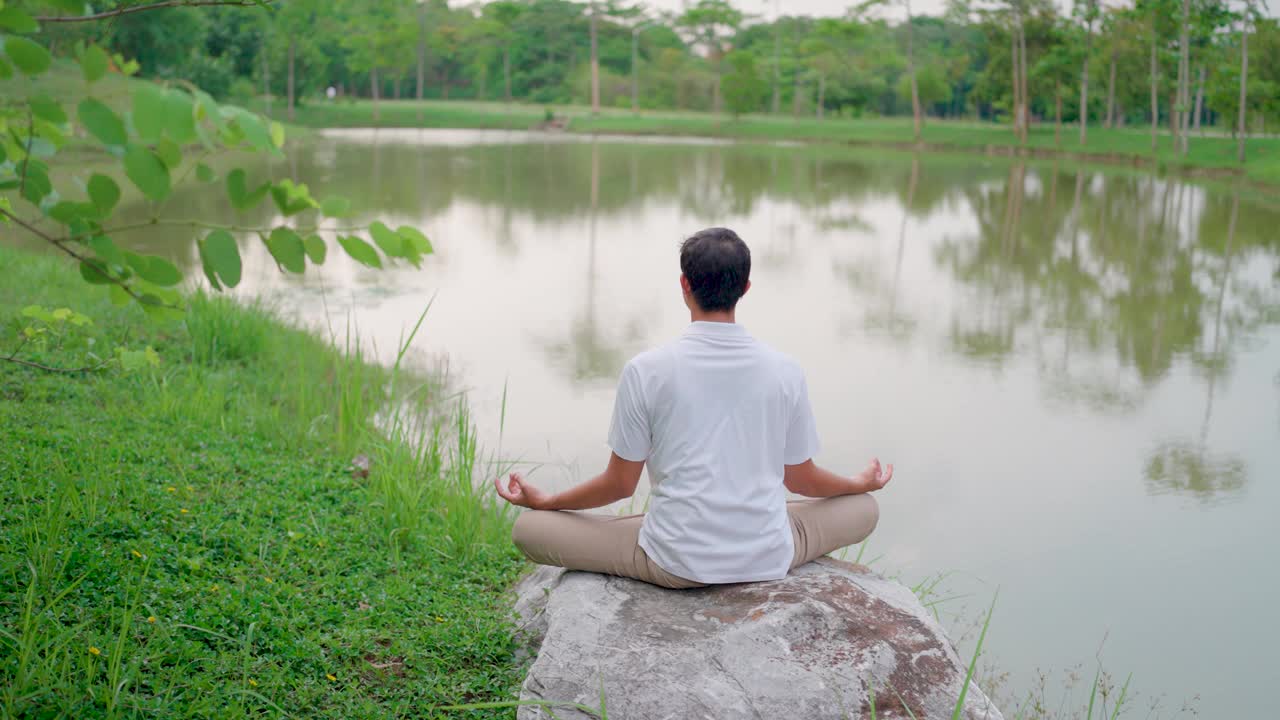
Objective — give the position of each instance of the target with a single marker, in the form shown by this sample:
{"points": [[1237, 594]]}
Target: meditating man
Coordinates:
{"points": [[724, 424]]}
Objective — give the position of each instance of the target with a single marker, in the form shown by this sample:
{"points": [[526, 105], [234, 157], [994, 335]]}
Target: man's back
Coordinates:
{"points": [[717, 415]]}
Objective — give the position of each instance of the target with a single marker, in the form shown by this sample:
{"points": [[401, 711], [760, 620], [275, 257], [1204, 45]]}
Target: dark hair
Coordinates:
{"points": [[717, 264]]}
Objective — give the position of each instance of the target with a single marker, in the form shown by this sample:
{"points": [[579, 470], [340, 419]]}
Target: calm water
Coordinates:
{"points": [[1076, 373]]}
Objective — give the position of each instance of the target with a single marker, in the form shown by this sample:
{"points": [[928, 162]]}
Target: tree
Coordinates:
{"points": [[911, 73], [1090, 14], [744, 89], [710, 23], [1244, 79], [502, 17], [150, 153]]}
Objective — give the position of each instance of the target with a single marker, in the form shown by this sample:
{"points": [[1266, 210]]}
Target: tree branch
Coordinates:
{"points": [[128, 10], [62, 245]]}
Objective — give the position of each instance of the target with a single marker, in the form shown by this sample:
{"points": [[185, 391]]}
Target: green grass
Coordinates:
{"points": [[191, 541], [1211, 154]]}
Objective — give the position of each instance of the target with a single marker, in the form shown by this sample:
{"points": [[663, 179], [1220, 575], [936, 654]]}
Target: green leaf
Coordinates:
{"points": [[29, 57], [415, 239], [37, 312], [277, 134], [237, 189], [95, 272], [221, 259], [316, 249], [94, 63], [254, 131], [147, 172], [104, 192], [392, 244], [291, 198], [148, 111], [288, 249], [14, 20], [360, 251], [179, 117], [6, 71], [118, 296], [170, 153], [47, 109], [102, 122], [154, 269], [204, 173], [67, 212], [106, 250], [335, 206], [37, 185]]}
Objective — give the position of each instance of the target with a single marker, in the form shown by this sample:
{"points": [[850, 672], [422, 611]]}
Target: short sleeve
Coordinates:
{"points": [[802, 429], [629, 435]]}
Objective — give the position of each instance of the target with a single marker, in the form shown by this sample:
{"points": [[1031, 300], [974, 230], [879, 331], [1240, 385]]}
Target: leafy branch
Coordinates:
{"points": [[130, 9]]}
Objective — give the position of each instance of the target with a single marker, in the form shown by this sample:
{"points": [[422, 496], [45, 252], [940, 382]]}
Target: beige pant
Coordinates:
{"points": [[610, 544]]}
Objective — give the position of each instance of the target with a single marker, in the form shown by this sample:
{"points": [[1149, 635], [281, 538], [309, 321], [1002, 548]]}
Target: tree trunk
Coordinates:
{"points": [[395, 87], [715, 89], [1057, 112], [595, 62], [292, 48], [374, 90], [422, 51], [1084, 80], [911, 70], [1184, 77], [635, 71], [777, 65], [1017, 86], [266, 79], [1244, 83], [795, 97], [822, 94], [1111, 92], [1155, 98], [1022, 62], [506, 72], [1200, 99]]}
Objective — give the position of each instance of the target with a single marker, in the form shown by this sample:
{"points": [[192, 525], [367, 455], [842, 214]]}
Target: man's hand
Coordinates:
{"points": [[875, 477], [518, 491]]}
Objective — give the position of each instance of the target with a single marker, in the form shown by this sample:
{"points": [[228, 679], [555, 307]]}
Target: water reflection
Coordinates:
{"points": [[1103, 284]]}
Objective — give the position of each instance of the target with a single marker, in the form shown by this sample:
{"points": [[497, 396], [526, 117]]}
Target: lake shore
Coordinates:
{"points": [[1210, 156], [208, 513]]}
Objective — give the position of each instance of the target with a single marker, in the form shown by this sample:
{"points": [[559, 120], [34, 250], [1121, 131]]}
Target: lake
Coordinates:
{"points": [[1076, 372]]}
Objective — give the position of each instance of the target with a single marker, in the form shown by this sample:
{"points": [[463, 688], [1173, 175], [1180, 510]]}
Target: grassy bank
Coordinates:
{"points": [[192, 540], [1208, 155]]}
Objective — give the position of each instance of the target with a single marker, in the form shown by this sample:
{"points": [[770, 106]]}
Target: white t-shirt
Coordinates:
{"points": [[716, 414]]}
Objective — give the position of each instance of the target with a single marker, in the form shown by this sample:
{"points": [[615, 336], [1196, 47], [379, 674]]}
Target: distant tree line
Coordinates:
{"points": [[1171, 63]]}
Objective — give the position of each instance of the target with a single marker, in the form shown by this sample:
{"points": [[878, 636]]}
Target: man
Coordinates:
{"points": [[725, 426]]}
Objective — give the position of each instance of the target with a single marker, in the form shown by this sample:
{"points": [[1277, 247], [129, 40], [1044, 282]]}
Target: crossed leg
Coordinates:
{"points": [[610, 544]]}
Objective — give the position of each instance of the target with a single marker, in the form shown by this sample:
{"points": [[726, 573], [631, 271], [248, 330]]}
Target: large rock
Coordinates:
{"points": [[807, 646]]}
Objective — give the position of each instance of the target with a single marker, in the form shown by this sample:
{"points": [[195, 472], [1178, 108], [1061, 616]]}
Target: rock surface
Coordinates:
{"points": [[807, 646]]}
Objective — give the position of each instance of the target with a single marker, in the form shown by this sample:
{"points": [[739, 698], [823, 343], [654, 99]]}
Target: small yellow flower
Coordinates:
{"points": [[136, 553], [253, 682], [439, 619], [268, 579], [213, 588], [183, 511], [151, 618], [171, 489], [94, 651], [331, 677]]}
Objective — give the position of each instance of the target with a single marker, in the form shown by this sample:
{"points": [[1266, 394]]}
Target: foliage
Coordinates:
{"points": [[191, 541], [744, 89], [155, 137]]}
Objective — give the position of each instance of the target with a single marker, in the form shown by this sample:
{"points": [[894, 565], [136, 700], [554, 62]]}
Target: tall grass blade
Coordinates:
{"points": [[973, 663]]}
